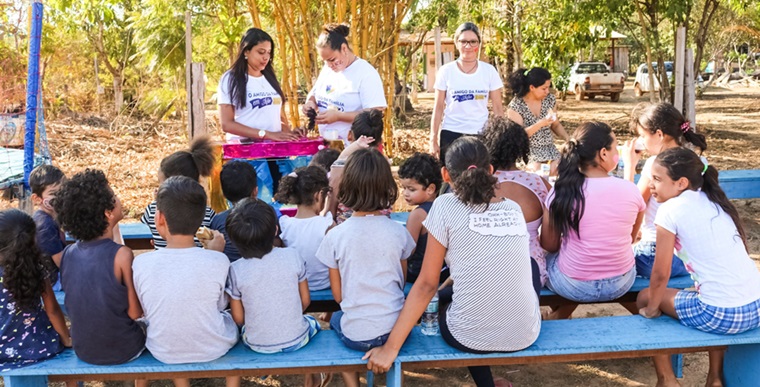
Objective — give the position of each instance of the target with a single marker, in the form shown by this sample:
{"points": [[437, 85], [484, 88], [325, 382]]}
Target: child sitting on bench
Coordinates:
{"points": [[45, 181]]}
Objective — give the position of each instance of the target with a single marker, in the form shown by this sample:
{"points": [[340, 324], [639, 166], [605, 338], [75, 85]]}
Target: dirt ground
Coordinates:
{"points": [[130, 155]]}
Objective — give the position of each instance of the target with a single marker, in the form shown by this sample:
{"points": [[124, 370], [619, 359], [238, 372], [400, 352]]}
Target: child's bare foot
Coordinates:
{"points": [[501, 382], [668, 383], [713, 381]]}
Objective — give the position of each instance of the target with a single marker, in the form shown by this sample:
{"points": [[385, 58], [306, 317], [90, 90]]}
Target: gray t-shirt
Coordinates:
{"points": [[182, 294], [367, 251], [494, 306], [268, 288], [305, 235]]}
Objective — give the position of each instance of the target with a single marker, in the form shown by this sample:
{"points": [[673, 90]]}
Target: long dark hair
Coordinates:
{"points": [[469, 166], [239, 70], [22, 260], [681, 162], [521, 80], [367, 183], [579, 153], [669, 121]]}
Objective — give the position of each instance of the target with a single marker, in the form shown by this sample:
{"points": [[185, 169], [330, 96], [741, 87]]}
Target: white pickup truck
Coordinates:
{"points": [[589, 79]]}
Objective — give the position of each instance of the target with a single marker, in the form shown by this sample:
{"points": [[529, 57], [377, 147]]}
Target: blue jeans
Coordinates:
{"points": [[587, 291], [363, 346], [644, 253], [313, 330]]}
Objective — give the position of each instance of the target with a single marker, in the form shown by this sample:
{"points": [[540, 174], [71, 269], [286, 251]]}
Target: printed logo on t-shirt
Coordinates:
{"points": [[469, 95], [260, 102], [329, 89], [499, 223], [329, 104], [263, 99]]}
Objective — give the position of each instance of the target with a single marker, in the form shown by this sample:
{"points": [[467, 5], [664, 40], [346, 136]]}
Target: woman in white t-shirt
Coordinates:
{"points": [[346, 85], [462, 91]]}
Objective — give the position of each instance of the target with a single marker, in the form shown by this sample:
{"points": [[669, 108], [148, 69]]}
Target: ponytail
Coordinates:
{"points": [[334, 36], [299, 186], [711, 188], [22, 261], [193, 163], [521, 80], [469, 165], [667, 119]]}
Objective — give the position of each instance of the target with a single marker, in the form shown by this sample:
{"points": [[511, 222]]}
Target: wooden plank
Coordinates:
{"points": [[690, 94], [198, 108], [740, 366], [189, 72], [25, 381], [679, 68]]}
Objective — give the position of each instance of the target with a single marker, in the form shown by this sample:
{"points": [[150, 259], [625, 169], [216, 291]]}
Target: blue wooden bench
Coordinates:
{"points": [[738, 183]]}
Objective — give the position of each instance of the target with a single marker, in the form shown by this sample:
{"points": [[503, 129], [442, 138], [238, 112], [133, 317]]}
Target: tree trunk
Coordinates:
{"points": [[517, 36], [700, 39], [118, 93], [648, 45]]}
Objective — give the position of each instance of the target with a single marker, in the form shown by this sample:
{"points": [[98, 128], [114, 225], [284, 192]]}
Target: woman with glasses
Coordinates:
{"points": [[462, 91], [346, 85]]}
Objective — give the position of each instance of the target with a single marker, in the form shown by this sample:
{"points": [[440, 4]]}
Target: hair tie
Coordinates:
{"points": [[704, 161], [686, 126], [293, 174], [472, 166], [525, 73]]}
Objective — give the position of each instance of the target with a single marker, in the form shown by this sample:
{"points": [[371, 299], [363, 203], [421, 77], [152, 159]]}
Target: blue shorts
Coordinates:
{"points": [[606, 289], [313, 330], [644, 253], [694, 313], [363, 346]]}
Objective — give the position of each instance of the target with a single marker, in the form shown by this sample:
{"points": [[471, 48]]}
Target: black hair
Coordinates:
{"points": [[300, 186], [44, 176], [369, 123], [521, 80], [666, 118], [22, 261], [251, 227], [239, 71], [325, 158], [579, 153], [334, 36], [507, 142], [423, 168], [681, 162], [367, 183], [467, 26], [238, 179], [193, 163], [469, 165], [182, 201], [81, 203]]}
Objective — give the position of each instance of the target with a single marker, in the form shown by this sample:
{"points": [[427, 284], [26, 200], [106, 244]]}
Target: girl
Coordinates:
{"points": [[193, 163], [485, 243], [307, 188], [462, 91], [595, 217], [698, 220], [535, 108], [366, 256], [507, 143], [659, 127], [31, 330]]}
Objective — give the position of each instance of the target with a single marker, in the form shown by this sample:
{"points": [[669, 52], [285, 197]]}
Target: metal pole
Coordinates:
{"points": [[32, 89]]}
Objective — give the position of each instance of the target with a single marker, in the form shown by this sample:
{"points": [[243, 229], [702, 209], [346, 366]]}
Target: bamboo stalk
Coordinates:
{"points": [[253, 9], [354, 25]]}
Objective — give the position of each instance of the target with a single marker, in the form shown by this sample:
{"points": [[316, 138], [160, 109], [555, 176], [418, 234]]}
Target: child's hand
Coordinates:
{"points": [[629, 154], [66, 342], [217, 243], [379, 359], [645, 312], [362, 142]]}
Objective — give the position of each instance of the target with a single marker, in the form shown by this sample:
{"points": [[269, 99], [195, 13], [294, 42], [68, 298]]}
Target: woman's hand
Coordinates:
{"points": [[309, 105], [380, 359], [435, 148], [328, 117], [282, 136]]}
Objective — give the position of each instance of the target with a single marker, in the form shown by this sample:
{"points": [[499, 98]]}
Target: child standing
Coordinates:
{"points": [[181, 287], [697, 219], [31, 331], [420, 177], [660, 127], [484, 241], [97, 273], [367, 256], [307, 188], [268, 289], [45, 181], [192, 163]]}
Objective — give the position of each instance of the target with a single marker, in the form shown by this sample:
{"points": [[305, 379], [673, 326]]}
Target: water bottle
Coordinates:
{"points": [[430, 318], [546, 169]]}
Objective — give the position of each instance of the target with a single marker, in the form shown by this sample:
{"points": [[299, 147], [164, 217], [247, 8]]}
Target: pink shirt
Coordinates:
{"points": [[602, 247]]}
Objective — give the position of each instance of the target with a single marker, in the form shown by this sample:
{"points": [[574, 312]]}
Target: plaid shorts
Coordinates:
{"points": [[694, 313]]}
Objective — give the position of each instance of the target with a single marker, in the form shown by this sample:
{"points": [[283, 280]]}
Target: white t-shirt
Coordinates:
{"points": [[648, 229], [494, 306], [710, 247], [182, 294], [356, 88], [466, 96], [305, 235], [262, 109]]}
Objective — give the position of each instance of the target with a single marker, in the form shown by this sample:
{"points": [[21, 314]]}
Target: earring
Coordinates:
{"points": [[246, 58]]}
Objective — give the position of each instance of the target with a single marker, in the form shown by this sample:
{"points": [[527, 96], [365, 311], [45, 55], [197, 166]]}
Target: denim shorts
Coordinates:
{"points": [[644, 253], [694, 313], [313, 330], [363, 346], [587, 291]]}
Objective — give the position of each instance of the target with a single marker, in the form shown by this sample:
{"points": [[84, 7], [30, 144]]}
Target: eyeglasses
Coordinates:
{"points": [[468, 43]]}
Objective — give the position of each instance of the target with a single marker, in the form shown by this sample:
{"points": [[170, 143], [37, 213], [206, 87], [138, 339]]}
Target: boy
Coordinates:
{"points": [[45, 181], [181, 287]]}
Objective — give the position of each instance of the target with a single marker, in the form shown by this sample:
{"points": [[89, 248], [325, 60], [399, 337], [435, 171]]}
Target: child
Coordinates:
{"points": [[45, 181], [595, 217], [420, 177], [31, 331], [268, 289], [325, 158], [181, 287], [696, 218], [238, 179], [97, 273], [484, 240], [507, 142], [192, 163], [659, 127], [366, 255], [307, 188]]}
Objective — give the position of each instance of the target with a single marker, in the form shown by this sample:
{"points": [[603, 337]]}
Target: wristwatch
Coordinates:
{"points": [[262, 134]]}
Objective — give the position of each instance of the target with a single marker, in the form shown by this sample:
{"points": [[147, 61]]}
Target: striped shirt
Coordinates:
{"points": [[494, 306], [149, 218]]}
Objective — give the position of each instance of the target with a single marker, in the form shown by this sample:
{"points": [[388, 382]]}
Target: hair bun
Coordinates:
{"points": [[343, 29], [375, 118]]}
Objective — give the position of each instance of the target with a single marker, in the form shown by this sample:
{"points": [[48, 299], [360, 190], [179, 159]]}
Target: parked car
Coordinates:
{"points": [[641, 83], [589, 79]]}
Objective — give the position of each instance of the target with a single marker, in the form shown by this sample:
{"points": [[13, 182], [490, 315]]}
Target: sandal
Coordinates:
{"points": [[325, 379]]}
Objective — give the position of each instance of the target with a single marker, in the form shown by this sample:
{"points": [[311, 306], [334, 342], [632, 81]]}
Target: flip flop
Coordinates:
{"points": [[326, 379]]}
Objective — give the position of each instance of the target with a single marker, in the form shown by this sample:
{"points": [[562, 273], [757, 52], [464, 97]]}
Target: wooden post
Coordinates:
{"points": [[414, 77], [690, 107], [437, 33], [198, 108], [189, 73], [98, 88], [678, 100]]}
